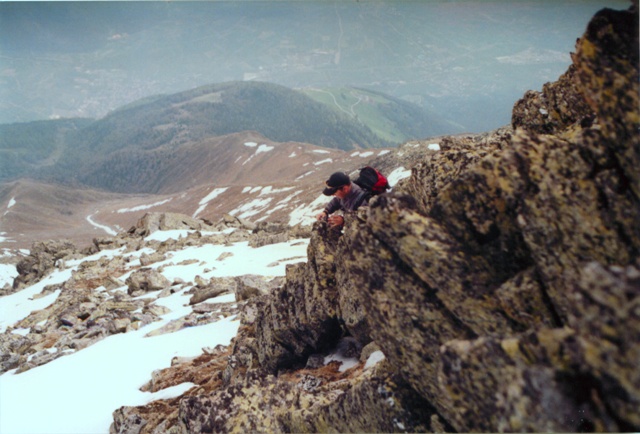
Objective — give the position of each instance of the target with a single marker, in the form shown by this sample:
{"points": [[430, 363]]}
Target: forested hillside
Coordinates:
{"points": [[27, 147], [128, 147]]}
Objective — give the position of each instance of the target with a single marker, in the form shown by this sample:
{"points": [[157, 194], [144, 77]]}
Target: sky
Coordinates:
{"points": [[78, 392]]}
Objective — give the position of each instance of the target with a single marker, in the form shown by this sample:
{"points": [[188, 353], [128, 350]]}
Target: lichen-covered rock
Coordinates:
{"points": [[301, 317], [501, 281], [493, 241], [606, 316], [520, 383], [606, 58], [456, 154], [559, 105], [319, 400], [11, 347]]}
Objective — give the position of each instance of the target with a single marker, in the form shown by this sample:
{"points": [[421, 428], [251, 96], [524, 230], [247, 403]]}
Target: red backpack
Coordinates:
{"points": [[372, 180]]}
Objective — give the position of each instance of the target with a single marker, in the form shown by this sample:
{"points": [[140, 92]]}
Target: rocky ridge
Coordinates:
{"points": [[496, 289], [501, 282]]}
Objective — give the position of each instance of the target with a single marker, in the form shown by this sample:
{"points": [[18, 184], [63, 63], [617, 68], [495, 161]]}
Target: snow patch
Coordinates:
{"points": [[375, 358], [208, 198], [271, 190], [364, 154], [328, 160], [305, 174], [11, 203], [433, 146], [345, 362], [264, 148], [306, 214], [250, 144], [397, 175], [8, 272], [169, 392], [251, 208], [80, 371], [265, 190], [107, 229], [3, 237], [143, 207]]}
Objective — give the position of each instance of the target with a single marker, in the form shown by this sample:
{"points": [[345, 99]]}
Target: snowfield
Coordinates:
{"points": [[77, 393]]}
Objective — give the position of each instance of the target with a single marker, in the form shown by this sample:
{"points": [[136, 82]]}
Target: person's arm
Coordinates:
{"points": [[333, 206]]}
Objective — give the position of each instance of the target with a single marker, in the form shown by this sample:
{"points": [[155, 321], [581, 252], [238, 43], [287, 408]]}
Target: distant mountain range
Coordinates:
{"points": [[168, 142], [467, 60]]}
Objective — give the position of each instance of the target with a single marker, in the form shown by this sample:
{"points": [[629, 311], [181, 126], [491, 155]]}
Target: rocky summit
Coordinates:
{"points": [[495, 289], [501, 282]]}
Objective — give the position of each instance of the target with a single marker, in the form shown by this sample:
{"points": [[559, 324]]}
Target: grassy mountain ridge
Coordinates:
{"points": [[129, 149], [277, 112], [390, 118]]}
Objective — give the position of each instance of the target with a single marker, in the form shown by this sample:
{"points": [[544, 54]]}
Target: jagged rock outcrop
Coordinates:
{"points": [[501, 281], [41, 259], [497, 261], [155, 221]]}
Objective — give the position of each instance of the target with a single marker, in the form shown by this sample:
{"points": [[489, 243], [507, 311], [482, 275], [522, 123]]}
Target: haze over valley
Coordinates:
{"points": [[467, 60]]}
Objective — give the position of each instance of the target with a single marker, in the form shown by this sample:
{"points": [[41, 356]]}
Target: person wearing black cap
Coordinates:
{"points": [[347, 196]]}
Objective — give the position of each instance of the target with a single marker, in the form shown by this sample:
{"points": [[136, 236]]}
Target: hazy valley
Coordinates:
{"points": [[467, 61]]}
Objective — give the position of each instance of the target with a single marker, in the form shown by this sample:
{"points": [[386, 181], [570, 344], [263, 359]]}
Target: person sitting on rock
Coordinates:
{"points": [[347, 196]]}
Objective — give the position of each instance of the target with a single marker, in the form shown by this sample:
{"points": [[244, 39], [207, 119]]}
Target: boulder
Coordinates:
{"points": [[146, 279], [42, 257], [214, 287], [155, 221]]}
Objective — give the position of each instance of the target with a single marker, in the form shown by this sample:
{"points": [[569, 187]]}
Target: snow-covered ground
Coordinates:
{"points": [[107, 229], [77, 393], [8, 272]]}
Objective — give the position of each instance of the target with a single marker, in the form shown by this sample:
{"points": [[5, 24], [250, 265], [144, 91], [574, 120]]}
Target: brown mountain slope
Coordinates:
{"points": [[244, 175]]}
